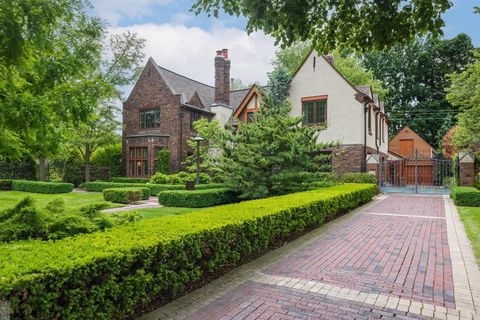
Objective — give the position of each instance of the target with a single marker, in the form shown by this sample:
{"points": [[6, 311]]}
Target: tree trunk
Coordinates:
{"points": [[42, 167], [87, 164]]}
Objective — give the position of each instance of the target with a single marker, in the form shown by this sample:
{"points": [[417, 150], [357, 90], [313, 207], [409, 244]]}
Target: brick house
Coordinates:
{"points": [[351, 115], [163, 104], [161, 108]]}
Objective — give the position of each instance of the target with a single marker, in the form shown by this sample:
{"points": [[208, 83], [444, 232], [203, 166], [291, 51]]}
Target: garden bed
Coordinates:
{"points": [[107, 275]]}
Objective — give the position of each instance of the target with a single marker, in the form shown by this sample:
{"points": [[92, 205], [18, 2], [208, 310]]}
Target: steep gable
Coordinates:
{"points": [[195, 100]]}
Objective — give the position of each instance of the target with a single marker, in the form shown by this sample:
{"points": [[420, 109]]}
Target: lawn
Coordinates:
{"points": [[73, 200], [471, 220]]}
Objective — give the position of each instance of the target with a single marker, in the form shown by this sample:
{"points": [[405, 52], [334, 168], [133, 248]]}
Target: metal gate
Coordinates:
{"points": [[418, 174]]}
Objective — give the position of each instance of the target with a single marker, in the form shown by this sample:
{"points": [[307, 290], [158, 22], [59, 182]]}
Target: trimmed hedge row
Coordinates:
{"points": [[107, 275], [41, 186], [99, 186], [126, 195], [358, 177], [466, 196], [6, 184], [129, 180], [197, 198]]}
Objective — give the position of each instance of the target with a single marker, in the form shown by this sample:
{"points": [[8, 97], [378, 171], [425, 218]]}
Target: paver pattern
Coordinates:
{"points": [[399, 257]]}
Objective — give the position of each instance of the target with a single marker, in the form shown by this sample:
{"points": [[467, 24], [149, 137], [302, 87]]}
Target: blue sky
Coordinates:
{"points": [[178, 40]]}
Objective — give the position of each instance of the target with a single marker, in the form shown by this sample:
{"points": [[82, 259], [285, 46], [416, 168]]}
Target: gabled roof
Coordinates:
{"points": [[415, 133], [367, 89], [237, 96]]}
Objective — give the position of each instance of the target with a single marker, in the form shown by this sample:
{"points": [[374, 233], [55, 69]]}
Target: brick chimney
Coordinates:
{"points": [[222, 77]]}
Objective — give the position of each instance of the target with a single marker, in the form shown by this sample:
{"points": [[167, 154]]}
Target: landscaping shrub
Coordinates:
{"points": [[41, 187], [358, 177], [99, 186], [107, 275], [197, 198], [179, 178], [466, 196], [163, 161], [6, 184], [24, 168], [126, 195], [129, 180]]}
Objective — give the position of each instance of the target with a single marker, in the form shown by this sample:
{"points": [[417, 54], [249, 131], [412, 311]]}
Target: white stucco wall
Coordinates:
{"points": [[345, 115], [222, 114]]}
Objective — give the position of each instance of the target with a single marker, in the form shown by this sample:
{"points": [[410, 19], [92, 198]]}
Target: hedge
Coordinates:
{"points": [[466, 196], [126, 195], [358, 177], [41, 186], [107, 275], [99, 186], [197, 198], [129, 180], [6, 184]]}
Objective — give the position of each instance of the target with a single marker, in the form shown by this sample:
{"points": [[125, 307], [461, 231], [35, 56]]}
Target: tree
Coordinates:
{"points": [[278, 85], [416, 77], [464, 93], [274, 155], [108, 75], [346, 63], [329, 24], [448, 148], [163, 161]]}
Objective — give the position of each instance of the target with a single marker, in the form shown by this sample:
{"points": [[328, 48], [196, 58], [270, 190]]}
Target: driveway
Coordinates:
{"points": [[399, 257]]}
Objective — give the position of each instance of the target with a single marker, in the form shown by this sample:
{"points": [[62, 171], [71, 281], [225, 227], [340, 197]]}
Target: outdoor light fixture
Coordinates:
{"points": [[198, 139]]}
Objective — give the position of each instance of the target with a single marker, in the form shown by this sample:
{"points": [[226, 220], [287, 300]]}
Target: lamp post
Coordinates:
{"points": [[198, 139]]}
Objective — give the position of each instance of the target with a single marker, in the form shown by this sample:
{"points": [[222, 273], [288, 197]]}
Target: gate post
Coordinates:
{"points": [[416, 170], [373, 166], [466, 169]]}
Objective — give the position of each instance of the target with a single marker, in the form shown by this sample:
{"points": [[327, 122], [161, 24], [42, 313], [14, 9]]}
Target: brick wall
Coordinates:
{"points": [[350, 158]]}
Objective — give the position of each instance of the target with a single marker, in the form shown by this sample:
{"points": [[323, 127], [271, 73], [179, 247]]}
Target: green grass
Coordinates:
{"points": [[73, 200], [164, 211], [471, 220]]}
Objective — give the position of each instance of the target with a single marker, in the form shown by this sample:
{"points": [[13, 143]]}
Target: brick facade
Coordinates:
{"points": [[467, 173], [350, 158]]}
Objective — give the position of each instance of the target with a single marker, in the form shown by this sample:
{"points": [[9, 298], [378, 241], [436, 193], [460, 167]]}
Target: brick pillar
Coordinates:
{"points": [[373, 165], [466, 170]]}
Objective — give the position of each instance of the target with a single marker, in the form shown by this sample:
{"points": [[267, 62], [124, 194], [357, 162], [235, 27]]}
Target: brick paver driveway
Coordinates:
{"points": [[401, 257]]}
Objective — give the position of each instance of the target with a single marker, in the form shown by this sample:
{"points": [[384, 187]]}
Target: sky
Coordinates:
{"points": [[182, 42]]}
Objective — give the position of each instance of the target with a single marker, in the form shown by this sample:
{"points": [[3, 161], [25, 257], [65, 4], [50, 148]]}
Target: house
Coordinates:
{"points": [[161, 108], [163, 105], [351, 115], [407, 141]]}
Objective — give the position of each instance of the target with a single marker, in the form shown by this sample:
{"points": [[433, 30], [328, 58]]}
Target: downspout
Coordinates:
{"points": [[180, 149], [364, 162], [378, 148]]}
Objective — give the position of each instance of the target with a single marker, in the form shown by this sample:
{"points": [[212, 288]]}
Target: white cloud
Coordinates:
{"points": [[114, 10], [190, 51]]}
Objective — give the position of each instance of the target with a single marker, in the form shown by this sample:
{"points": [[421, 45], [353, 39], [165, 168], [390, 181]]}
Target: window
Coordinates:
{"points": [[315, 112], [138, 161], [369, 120], [383, 129], [250, 116], [149, 119], [194, 116]]}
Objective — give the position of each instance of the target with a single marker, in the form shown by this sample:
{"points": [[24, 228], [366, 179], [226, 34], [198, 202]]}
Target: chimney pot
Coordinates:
{"points": [[225, 53], [219, 53], [222, 77]]}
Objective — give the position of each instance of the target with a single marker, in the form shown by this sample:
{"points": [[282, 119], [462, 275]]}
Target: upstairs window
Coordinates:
{"points": [[315, 112], [369, 120], [194, 116], [149, 119], [250, 116]]}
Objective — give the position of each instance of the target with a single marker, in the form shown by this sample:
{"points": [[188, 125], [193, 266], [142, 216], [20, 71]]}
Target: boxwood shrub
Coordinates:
{"points": [[466, 196], [6, 184], [126, 195], [99, 186], [107, 275], [41, 186], [197, 198], [129, 180], [358, 177]]}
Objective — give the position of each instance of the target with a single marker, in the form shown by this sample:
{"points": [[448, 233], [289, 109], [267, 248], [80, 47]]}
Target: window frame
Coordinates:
{"points": [[138, 163], [312, 100], [194, 116], [143, 119]]}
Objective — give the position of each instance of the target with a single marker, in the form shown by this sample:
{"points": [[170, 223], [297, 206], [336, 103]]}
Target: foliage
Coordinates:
{"points": [[466, 196], [23, 168], [323, 179], [361, 25], [416, 76], [25, 221], [197, 198], [471, 221], [278, 85], [127, 266], [212, 132], [448, 148], [274, 155], [358, 177], [179, 178], [109, 156], [126, 195], [464, 93], [130, 180], [163, 161], [41, 186], [6, 184]]}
